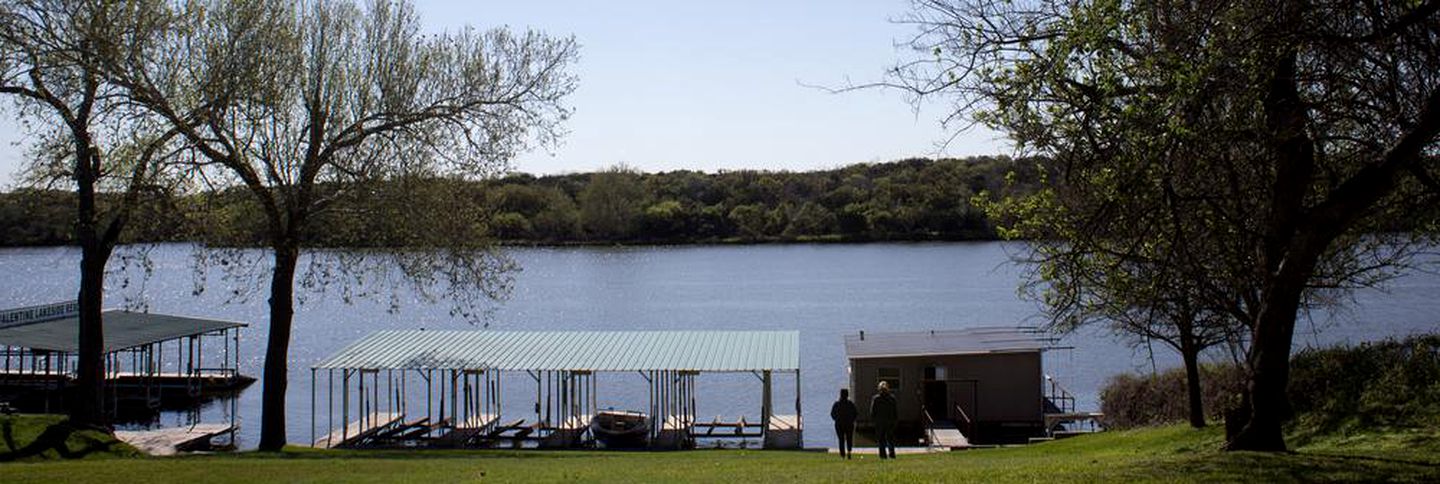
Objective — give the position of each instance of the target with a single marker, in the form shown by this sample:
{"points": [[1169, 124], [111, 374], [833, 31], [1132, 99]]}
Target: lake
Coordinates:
{"points": [[824, 291]]}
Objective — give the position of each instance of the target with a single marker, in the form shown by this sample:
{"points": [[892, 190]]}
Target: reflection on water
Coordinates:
{"points": [[823, 291]]}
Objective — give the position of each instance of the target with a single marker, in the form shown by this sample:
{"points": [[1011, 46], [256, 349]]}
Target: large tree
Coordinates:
{"points": [[610, 203], [302, 104], [51, 53], [1306, 129]]}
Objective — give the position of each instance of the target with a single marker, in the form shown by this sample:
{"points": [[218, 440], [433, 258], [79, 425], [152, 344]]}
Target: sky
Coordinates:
{"points": [[667, 85]]}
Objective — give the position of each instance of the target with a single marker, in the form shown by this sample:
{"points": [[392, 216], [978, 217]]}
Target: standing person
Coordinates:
{"points": [[883, 413], [843, 411]]}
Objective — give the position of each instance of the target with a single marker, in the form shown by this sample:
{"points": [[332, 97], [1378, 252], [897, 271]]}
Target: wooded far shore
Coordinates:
{"points": [[907, 200]]}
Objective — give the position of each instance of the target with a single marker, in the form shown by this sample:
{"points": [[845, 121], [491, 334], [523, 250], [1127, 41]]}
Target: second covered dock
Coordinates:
{"points": [[417, 388]]}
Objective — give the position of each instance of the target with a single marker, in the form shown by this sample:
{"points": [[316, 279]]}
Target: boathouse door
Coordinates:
{"points": [[937, 393]]}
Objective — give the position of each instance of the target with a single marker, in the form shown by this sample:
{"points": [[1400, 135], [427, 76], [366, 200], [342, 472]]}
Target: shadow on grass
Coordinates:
{"points": [[1294, 467], [57, 438], [1374, 459], [413, 454]]}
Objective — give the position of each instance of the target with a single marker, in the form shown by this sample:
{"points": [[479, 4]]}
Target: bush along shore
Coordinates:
{"points": [[1387, 387]]}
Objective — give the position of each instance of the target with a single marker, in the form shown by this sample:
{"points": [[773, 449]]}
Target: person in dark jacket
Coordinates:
{"points": [[883, 413], [843, 411]]}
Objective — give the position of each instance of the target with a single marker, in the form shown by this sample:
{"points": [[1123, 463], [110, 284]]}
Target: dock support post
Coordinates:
{"points": [[361, 403], [429, 394], [799, 418], [344, 404], [312, 406], [766, 410], [654, 407]]}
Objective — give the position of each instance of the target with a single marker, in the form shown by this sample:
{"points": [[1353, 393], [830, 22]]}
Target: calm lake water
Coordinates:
{"points": [[823, 291]]}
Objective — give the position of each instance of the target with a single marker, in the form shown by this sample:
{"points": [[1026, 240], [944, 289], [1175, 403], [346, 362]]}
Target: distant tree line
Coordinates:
{"points": [[914, 199], [39, 217]]}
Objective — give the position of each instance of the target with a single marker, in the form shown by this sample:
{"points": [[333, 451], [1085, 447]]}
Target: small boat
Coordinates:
{"points": [[621, 429]]}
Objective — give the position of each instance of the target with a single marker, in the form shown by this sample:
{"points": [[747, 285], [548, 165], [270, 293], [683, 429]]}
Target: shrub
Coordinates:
{"points": [[1393, 383], [1129, 400]]}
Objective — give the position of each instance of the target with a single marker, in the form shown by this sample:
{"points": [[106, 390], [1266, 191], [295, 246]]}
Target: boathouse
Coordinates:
{"points": [[418, 388], [153, 362], [958, 387]]}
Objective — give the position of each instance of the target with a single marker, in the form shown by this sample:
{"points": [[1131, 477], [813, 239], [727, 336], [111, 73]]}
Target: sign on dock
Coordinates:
{"points": [[37, 314]]}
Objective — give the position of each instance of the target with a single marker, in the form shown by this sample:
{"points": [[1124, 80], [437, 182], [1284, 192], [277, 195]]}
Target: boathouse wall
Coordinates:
{"points": [[993, 388]]}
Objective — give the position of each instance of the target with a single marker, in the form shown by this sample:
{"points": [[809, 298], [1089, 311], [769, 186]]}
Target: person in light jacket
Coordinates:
{"points": [[883, 413], [843, 411]]}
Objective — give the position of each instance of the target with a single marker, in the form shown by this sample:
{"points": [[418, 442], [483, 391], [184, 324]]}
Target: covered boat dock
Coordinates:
{"points": [[152, 361], [418, 388]]}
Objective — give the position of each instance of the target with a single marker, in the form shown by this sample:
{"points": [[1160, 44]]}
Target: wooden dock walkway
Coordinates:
{"points": [[784, 422], [1052, 419], [169, 441], [568, 434], [784, 432], [179, 389], [358, 430], [461, 435], [737, 428]]}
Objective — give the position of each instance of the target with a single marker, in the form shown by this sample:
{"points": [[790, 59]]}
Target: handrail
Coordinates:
{"points": [[1059, 396], [965, 417], [929, 426]]}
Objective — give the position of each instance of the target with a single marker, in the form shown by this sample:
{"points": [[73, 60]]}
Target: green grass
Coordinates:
{"points": [[45, 437], [1166, 454]]}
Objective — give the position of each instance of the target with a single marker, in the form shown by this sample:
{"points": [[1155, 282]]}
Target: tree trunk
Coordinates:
{"points": [[1288, 259], [1269, 358], [1191, 354], [277, 350], [1269, 378], [87, 408]]}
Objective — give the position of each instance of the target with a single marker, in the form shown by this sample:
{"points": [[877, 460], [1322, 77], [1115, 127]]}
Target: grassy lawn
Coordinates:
{"points": [[1165, 454], [46, 437]]}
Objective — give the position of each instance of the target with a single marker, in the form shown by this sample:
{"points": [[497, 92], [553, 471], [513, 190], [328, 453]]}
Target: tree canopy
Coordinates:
{"points": [[110, 154], [307, 107], [1239, 156]]}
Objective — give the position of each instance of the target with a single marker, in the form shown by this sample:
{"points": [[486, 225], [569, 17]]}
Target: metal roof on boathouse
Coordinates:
{"points": [[123, 330], [711, 351], [965, 341]]}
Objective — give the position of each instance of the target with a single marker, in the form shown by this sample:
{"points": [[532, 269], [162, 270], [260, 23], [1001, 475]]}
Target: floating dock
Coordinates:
{"points": [[169, 441], [154, 390]]}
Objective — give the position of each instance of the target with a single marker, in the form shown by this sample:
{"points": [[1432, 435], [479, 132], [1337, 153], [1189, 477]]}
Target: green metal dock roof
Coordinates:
{"points": [[710, 351], [123, 330]]}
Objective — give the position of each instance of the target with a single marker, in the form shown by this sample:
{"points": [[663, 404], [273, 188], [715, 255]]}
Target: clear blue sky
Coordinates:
{"points": [[710, 85]]}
